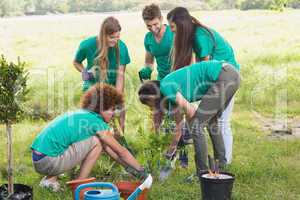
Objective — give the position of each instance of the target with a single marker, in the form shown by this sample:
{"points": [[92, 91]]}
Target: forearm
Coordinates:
{"points": [[114, 156], [179, 124], [120, 84], [149, 60], [78, 66], [106, 137], [188, 108], [157, 120], [120, 79], [129, 160]]}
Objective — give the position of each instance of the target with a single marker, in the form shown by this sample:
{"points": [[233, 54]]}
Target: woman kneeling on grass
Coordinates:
{"points": [[212, 82], [79, 137]]}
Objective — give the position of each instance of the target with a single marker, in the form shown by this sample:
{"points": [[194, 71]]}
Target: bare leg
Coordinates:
{"points": [[90, 160]]}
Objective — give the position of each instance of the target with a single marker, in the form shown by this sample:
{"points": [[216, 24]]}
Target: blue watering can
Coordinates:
{"points": [[111, 194]]}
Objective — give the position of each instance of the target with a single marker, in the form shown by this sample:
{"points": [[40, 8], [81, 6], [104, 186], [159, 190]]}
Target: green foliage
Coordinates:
{"points": [[294, 3], [279, 4], [150, 148], [222, 4], [13, 90], [10, 7], [41, 7], [256, 4], [266, 4]]}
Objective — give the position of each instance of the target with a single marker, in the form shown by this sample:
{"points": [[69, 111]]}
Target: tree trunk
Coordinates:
{"points": [[9, 159]]}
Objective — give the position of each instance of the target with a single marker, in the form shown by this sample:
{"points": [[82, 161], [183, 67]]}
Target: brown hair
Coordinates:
{"points": [[151, 11], [109, 26], [185, 30], [101, 97]]}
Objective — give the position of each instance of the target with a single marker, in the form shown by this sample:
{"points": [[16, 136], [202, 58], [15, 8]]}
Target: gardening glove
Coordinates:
{"points": [[139, 174], [86, 75], [145, 73]]}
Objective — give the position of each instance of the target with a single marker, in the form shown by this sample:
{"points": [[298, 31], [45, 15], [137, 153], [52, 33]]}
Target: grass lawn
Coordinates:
{"points": [[267, 45]]}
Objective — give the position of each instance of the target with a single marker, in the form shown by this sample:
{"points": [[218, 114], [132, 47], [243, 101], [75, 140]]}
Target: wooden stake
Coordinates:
{"points": [[9, 159]]}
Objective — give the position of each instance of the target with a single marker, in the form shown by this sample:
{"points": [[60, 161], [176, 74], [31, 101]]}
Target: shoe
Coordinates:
{"points": [[52, 185]]}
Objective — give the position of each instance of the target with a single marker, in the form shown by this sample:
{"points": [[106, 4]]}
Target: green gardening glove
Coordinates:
{"points": [[145, 73]]}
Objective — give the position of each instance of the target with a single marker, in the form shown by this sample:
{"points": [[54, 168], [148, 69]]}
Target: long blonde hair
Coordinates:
{"points": [[109, 26]]}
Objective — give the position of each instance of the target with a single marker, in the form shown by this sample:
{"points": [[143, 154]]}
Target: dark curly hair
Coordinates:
{"points": [[151, 11], [101, 97]]}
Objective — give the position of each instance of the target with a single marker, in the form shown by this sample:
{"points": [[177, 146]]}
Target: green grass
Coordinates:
{"points": [[267, 46]]}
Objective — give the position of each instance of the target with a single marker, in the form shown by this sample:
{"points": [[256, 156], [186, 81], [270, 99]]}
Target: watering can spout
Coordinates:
{"points": [[145, 185]]}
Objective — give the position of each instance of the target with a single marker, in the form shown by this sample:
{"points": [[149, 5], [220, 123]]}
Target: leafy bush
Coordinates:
{"points": [[256, 4], [13, 91], [294, 4]]}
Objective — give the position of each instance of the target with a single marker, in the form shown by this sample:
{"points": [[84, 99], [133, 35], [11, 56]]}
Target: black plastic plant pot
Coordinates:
{"points": [[21, 192], [216, 188]]}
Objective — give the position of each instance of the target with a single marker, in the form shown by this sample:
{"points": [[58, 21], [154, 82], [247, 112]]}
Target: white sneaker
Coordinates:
{"points": [[52, 185]]}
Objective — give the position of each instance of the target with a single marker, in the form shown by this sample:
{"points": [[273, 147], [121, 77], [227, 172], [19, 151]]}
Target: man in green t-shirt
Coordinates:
{"points": [[158, 44], [79, 137], [212, 82]]}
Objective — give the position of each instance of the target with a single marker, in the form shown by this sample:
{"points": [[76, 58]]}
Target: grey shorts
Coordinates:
{"points": [[73, 156]]}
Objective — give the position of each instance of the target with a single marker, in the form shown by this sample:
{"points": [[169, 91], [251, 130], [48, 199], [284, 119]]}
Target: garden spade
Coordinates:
{"points": [[168, 167]]}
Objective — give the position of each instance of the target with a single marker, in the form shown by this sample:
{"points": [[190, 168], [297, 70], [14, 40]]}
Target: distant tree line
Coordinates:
{"points": [[41, 7]]}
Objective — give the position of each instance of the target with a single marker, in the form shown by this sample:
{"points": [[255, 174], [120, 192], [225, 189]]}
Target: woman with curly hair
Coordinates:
{"points": [[79, 137]]}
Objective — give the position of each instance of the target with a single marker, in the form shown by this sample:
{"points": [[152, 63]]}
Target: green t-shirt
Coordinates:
{"points": [[67, 129], [191, 81], [160, 51], [88, 50], [218, 48]]}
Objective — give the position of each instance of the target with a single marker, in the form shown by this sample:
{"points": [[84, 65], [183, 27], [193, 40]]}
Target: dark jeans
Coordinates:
{"points": [[210, 109]]}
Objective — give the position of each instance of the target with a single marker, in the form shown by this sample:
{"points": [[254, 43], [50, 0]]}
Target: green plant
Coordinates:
{"points": [[13, 90]]}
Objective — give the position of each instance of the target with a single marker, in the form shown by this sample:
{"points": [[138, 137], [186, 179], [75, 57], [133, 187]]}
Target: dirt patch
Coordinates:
{"points": [[279, 128]]}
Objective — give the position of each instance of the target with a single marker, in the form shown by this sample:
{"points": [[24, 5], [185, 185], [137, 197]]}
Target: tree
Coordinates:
{"points": [[13, 91]]}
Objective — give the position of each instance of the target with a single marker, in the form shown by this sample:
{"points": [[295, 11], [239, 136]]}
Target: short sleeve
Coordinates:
{"points": [[204, 43], [124, 54], [169, 90], [98, 125], [80, 54]]}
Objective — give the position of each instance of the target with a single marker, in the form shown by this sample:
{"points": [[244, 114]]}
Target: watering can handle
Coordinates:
{"points": [[95, 184]]}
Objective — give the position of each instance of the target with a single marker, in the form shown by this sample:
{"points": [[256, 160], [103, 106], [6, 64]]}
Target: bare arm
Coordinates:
{"points": [[178, 119], [189, 108], [149, 60], [157, 119], [123, 154], [78, 66], [120, 79]]}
